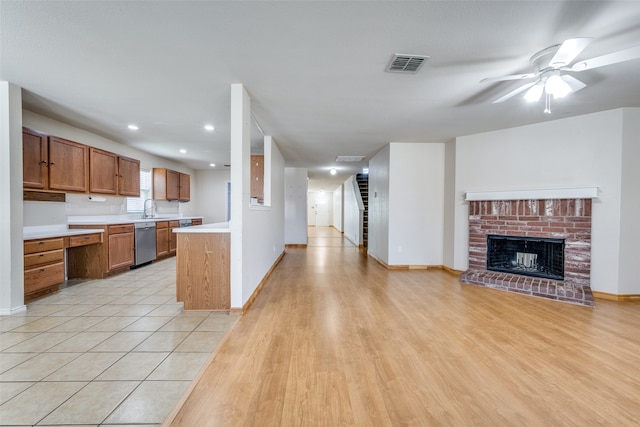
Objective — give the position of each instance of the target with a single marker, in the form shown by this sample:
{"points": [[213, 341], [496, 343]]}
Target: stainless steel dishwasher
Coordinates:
{"points": [[145, 242]]}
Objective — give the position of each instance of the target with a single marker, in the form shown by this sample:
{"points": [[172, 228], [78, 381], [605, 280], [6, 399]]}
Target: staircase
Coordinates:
{"points": [[363, 184]]}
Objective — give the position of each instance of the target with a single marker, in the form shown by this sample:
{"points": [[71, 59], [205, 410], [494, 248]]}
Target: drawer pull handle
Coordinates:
{"points": [[41, 254], [41, 243], [41, 270]]}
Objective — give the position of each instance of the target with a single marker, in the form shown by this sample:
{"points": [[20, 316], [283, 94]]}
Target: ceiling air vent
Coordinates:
{"points": [[406, 63], [349, 158]]}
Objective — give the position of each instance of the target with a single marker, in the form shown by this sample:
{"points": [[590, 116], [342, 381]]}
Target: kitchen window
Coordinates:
{"points": [[136, 204]]}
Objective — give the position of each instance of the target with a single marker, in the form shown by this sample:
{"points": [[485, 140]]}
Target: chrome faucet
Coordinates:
{"points": [[144, 209]]}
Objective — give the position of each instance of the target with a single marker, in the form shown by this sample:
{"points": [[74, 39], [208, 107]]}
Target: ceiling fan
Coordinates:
{"points": [[552, 66]]}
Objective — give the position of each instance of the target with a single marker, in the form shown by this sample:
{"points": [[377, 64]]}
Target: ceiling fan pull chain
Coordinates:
{"points": [[547, 103]]}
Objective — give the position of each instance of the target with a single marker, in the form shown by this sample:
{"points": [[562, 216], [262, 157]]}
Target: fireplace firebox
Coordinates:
{"points": [[528, 256]]}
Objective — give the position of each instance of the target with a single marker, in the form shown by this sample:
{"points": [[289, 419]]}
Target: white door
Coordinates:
{"points": [[322, 213]]}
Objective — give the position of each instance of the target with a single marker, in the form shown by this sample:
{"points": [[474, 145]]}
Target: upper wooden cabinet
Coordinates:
{"points": [[68, 165], [185, 187], [52, 163], [113, 174], [104, 172], [129, 177], [257, 176], [35, 160], [171, 185]]}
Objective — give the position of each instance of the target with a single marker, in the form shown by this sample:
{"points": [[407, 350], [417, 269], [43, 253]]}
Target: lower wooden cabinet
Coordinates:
{"points": [[114, 254], [196, 221], [43, 264], [162, 239], [121, 246], [173, 237]]}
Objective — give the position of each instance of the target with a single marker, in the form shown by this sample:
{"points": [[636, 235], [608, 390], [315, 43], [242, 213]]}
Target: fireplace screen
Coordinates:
{"points": [[529, 256]]}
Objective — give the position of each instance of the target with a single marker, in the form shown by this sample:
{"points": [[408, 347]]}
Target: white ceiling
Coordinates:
{"points": [[314, 70]]}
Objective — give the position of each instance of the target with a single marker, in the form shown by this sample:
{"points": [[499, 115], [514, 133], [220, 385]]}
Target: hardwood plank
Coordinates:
{"points": [[334, 338]]}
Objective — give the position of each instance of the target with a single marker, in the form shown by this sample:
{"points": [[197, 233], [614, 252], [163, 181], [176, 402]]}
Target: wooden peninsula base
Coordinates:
{"points": [[203, 269]]}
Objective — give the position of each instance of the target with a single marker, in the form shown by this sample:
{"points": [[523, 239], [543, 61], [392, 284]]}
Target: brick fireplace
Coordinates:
{"points": [[563, 220]]}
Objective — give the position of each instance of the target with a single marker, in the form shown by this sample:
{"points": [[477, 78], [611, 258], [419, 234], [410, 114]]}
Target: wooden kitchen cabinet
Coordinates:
{"points": [[185, 187], [113, 174], [68, 165], [121, 243], [257, 176], [114, 254], [173, 237], [196, 221], [171, 185], [43, 265], [162, 239], [103, 169], [35, 160], [128, 177], [51, 163]]}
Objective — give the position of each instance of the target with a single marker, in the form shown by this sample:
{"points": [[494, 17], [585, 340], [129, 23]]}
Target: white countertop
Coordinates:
{"points": [[216, 227], [122, 219], [57, 230]]}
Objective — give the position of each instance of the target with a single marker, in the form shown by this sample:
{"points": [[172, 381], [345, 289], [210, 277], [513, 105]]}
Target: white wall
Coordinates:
{"points": [[337, 208], [572, 152], [257, 232], [630, 204], [295, 206], [448, 245], [378, 238], [209, 194], [416, 204], [264, 228], [79, 204], [11, 243], [351, 212]]}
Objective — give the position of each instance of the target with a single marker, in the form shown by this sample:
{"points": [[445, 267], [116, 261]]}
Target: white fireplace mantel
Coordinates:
{"points": [[535, 194]]}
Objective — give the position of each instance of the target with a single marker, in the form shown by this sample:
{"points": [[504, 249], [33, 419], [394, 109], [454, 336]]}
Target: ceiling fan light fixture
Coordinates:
{"points": [[556, 86]]}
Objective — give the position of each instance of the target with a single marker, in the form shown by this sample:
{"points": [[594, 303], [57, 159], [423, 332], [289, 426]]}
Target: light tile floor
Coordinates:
{"points": [[118, 351]]}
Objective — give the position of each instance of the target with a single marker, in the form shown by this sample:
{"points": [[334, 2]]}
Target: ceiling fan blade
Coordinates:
{"points": [[608, 59], [573, 83], [514, 92], [568, 51], [511, 77]]}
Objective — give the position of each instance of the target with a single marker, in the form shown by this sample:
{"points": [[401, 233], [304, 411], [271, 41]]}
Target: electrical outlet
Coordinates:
{"points": [[67, 206], [113, 208], [399, 249]]}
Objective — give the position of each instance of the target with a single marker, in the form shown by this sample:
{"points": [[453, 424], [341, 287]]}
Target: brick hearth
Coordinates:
{"points": [[568, 219]]}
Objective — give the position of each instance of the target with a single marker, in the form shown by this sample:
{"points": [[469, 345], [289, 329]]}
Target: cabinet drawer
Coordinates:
{"points": [[123, 228], [85, 239], [162, 224], [32, 246], [43, 258], [39, 278], [174, 224]]}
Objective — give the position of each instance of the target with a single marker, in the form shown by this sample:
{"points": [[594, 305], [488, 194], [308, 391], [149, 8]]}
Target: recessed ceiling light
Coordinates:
{"points": [[133, 127], [209, 128], [182, 150], [333, 171], [213, 165]]}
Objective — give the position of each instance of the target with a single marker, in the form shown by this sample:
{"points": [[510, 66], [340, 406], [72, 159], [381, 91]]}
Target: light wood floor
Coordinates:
{"points": [[335, 339]]}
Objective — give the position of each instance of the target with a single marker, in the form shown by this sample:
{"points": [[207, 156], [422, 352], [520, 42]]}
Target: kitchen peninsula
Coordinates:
{"points": [[203, 267]]}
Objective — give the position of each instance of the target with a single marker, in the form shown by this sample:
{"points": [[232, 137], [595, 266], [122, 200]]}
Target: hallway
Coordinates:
{"points": [[336, 339]]}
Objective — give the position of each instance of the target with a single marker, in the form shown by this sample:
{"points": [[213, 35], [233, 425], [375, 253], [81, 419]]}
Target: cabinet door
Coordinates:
{"points": [[257, 176], [129, 176], [34, 160], [68, 165], [185, 187], [162, 242], [173, 185], [120, 250], [173, 237], [103, 169]]}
